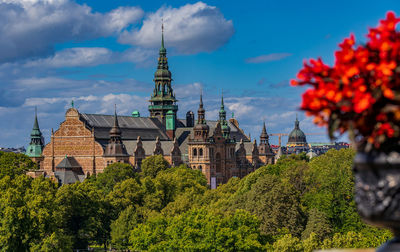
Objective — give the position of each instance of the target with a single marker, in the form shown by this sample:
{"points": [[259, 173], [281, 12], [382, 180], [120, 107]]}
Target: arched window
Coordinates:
{"points": [[218, 162], [194, 152], [201, 152], [200, 168]]}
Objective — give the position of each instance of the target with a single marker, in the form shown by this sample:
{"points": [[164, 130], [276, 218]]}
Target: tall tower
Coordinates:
{"points": [[163, 98], [36, 145], [226, 130]]}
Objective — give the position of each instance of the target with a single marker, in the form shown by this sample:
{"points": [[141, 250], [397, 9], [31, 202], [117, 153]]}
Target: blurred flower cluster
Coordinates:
{"points": [[361, 92]]}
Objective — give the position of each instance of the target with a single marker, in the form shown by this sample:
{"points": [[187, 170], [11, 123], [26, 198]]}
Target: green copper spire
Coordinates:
{"points": [[222, 119], [36, 145], [222, 112], [162, 49], [163, 98]]}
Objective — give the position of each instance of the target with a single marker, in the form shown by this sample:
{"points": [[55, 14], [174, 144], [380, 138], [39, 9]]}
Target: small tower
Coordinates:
{"points": [[255, 155], [201, 129], [163, 98], [264, 149], [36, 145], [226, 130], [115, 150]]}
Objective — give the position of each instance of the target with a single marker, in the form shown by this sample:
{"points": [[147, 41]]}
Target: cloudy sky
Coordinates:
{"points": [[100, 53]]}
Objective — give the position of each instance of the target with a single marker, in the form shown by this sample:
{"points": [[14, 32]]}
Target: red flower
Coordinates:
{"points": [[360, 89]]}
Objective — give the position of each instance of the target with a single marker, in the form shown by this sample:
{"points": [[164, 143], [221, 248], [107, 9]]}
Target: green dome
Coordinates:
{"points": [[170, 112], [297, 136], [135, 113]]}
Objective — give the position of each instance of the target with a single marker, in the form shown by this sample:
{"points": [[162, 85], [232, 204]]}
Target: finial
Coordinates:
{"points": [[72, 104], [35, 111], [233, 114], [115, 109]]}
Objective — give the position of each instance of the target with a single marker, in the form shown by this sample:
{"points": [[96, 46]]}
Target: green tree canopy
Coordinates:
{"points": [[152, 165], [12, 164]]}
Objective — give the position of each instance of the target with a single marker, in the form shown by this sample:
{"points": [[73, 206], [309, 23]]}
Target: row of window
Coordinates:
{"points": [[200, 152]]}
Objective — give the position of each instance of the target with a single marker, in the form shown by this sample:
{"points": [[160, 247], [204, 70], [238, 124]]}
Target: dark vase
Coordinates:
{"points": [[377, 192]]}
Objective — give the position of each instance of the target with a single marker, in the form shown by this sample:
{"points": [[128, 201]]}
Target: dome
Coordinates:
{"points": [[297, 136], [162, 73], [201, 127], [135, 113]]}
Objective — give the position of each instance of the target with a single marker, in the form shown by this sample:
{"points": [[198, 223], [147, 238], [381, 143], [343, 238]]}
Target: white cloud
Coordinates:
{"points": [[268, 57], [32, 28], [190, 29], [74, 57]]}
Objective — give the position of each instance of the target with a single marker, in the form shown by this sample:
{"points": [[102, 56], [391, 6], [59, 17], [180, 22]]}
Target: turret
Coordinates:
{"points": [[264, 147], [226, 130], [36, 144], [201, 129], [115, 147]]}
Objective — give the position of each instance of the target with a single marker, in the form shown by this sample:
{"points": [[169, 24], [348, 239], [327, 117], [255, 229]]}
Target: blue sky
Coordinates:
{"points": [[98, 53]]}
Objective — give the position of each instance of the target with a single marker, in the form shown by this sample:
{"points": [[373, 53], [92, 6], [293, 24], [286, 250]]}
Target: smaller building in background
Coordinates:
{"points": [[14, 150]]}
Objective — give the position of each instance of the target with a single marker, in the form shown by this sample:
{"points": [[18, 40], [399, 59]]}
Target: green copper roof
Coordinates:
{"points": [[36, 145], [135, 113], [163, 97]]}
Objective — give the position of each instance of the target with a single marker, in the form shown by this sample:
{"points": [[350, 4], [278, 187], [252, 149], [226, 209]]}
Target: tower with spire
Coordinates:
{"points": [[264, 149], [201, 129], [115, 150], [36, 144], [226, 130], [163, 98]]}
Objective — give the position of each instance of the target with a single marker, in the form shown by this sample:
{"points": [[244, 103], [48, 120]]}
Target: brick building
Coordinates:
{"points": [[85, 144]]}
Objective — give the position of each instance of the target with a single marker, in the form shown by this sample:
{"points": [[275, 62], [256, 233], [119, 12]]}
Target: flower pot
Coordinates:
{"points": [[377, 192]]}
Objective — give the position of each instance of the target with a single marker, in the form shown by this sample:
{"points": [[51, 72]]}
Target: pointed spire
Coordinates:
{"points": [[264, 130], [201, 100], [37, 143], [36, 124], [115, 130], [115, 116], [222, 100], [162, 49]]}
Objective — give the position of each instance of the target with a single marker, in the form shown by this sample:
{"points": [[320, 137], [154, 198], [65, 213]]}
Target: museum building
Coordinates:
{"points": [[84, 144]]}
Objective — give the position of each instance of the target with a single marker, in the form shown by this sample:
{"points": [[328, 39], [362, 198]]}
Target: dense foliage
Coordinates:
{"points": [[293, 205]]}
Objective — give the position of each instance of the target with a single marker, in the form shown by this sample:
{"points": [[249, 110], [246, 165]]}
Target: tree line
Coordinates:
{"points": [[293, 205]]}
